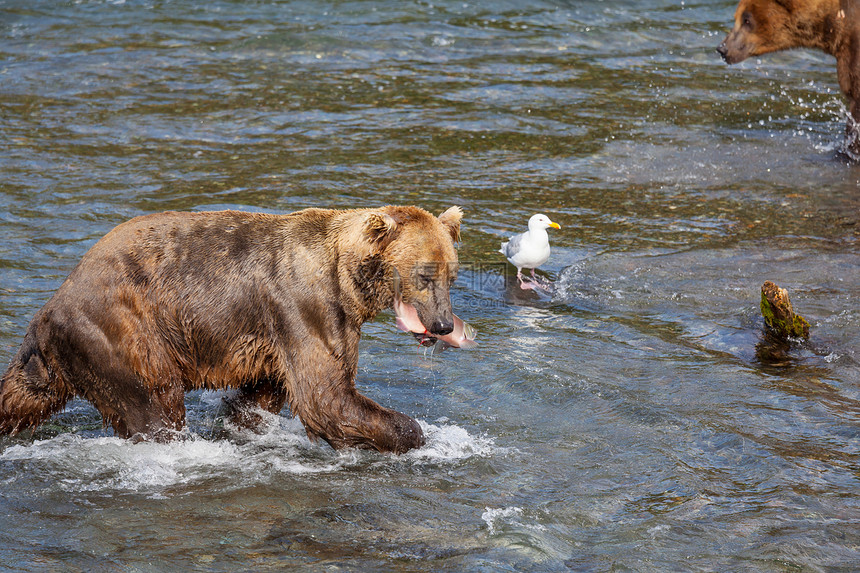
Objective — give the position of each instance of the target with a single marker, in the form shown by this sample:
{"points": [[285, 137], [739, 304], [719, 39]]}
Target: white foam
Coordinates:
{"points": [[449, 443], [492, 516], [657, 529], [113, 463], [108, 463], [509, 516]]}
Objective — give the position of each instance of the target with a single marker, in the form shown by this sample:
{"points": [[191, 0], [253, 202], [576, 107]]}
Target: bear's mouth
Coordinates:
{"points": [[463, 335]]}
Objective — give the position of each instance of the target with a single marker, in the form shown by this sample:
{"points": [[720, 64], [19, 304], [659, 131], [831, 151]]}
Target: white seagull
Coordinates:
{"points": [[529, 250]]}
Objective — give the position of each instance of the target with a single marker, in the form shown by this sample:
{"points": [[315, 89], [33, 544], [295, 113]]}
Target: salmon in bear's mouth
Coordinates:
{"points": [[463, 335]]}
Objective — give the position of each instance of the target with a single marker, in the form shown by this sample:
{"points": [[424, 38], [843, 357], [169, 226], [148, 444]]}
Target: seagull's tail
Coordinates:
{"points": [[504, 249]]}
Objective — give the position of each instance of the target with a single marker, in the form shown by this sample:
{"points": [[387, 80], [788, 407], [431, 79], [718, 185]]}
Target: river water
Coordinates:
{"points": [[633, 420]]}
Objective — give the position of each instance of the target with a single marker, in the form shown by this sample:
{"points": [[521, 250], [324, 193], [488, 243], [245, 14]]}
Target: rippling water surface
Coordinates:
{"points": [[634, 420]]}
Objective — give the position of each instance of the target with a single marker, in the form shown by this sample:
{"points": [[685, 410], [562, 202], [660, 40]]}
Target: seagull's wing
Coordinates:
{"points": [[512, 247]]}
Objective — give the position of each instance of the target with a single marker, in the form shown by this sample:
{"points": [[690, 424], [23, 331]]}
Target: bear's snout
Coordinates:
{"points": [[442, 327], [730, 54], [736, 47], [436, 314]]}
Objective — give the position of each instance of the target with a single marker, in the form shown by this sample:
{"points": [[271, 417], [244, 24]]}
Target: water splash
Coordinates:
{"points": [[492, 516], [81, 463], [508, 517], [89, 464], [447, 443]]}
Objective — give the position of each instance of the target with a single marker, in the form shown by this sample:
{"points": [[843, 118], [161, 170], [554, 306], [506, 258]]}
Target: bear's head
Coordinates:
{"points": [[762, 26], [418, 248]]}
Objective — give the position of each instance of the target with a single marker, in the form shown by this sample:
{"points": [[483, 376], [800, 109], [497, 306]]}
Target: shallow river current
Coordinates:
{"points": [[633, 420]]}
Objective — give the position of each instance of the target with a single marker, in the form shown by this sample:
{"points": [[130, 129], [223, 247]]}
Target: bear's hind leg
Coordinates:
{"points": [[140, 413], [29, 393]]}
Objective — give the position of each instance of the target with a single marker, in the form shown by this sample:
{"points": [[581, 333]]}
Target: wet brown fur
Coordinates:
{"points": [[271, 305], [832, 26]]}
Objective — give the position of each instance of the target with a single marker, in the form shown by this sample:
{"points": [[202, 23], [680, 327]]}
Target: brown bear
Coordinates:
{"points": [[271, 305], [832, 26]]}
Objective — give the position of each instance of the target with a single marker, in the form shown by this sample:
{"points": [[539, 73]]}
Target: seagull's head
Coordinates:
{"points": [[539, 222]]}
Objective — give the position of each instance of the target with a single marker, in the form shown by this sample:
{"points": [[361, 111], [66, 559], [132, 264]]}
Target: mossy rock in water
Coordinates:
{"points": [[779, 315]]}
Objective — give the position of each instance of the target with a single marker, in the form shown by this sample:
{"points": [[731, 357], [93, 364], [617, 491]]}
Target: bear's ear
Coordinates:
{"points": [[379, 228], [451, 219]]}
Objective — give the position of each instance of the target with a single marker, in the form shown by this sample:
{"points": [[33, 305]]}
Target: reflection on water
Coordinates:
{"points": [[634, 419]]}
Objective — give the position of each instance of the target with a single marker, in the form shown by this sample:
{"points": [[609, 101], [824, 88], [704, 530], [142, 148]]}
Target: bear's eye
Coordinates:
{"points": [[424, 281], [747, 20]]}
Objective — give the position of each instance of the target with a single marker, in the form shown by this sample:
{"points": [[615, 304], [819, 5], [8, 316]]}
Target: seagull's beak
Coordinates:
{"points": [[554, 225]]}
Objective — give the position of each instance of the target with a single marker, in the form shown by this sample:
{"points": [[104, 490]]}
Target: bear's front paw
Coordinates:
{"points": [[407, 434]]}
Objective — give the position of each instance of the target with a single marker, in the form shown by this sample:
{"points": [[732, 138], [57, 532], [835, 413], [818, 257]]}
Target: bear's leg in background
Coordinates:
{"points": [[263, 394], [853, 131]]}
